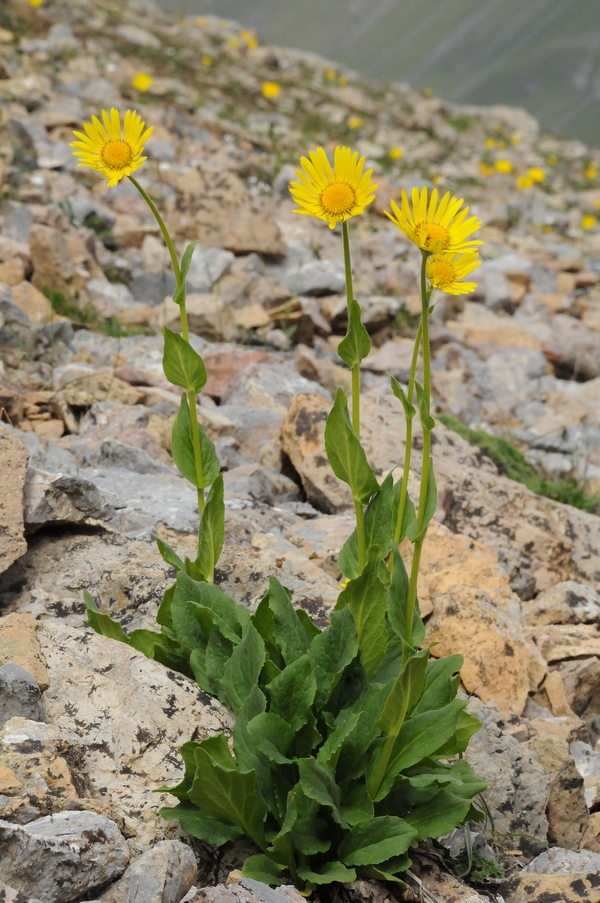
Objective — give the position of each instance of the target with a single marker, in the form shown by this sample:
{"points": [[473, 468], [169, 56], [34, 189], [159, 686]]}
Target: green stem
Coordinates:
{"points": [[360, 534], [184, 332], [408, 450], [414, 571], [350, 297]]}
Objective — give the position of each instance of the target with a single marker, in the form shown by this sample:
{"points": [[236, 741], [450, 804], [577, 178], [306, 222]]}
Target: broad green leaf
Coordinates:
{"points": [[374, 841], [404, 694], [440, 815], [345, 723], [227, 795], [185, 624], [168, 651], [226, 615], [357, 805], [103, 624], [397, 599], [163, 615], [331, 651], [210, 830], [168, 554], [409, 408], [427, 421], [409, 515], [366, 599], [331, 871], [460, 777], [261, 867], [241, 673], [144, 641], [272, 736], [182, 449], [308, 836], [346, 455], [188, 754], [292, 692], [182, 365], [216, 655], [414, 533], [307, 738], [387, 871], [379, 530], [317, 782], [307, 622], [186, 260], [289, 632], [356, 344], [466, 726], [245, 750], [212, 529], [353, 758], [440, 683]]}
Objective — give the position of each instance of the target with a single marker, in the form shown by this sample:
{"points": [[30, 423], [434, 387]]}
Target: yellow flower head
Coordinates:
{"points": [[524, 182], [333, 194], [588, 221], [592, 170], [536, 174], [515, 138], [343, 81], [435, 228], [396, 153], [552, 160], [35, 2], [490, 143], [206, 60], [270, 90], [107, 148], [445, 271], [234, 43], [141, 81], [485, 169], [201, 21], [503, 166], [330, 75], [354, 122]]}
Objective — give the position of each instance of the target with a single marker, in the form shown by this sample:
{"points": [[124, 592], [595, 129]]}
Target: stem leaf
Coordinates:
{"points": [[379, 529], [356, 344], [418, 528], [346, 455], [366, 598], [427, 421], [182, 449], [409, 409], [212, 530], [182, 365]]}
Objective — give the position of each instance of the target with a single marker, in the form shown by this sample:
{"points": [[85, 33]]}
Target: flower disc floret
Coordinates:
{"points": [[109, 149], [435, 227], [333, 193], [445, 272]]}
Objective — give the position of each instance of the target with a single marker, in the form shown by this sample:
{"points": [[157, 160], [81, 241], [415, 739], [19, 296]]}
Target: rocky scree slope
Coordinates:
{"points": [[89, 726]]}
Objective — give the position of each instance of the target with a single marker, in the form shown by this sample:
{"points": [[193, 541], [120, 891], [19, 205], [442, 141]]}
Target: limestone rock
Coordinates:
{"points": [[18, 643], [531, 888], [519, 786], [133, 717], [564, 603], [33, 303], [560, 861], [60, 857], [322, 538], [433, 883], [13, 465], [19, 694], [163, 874], [10, 895], [63, 499], [247, 891], [52, 266]]}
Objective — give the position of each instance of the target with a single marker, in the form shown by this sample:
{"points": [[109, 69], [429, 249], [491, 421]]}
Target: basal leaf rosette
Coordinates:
{"points": [[435, 228], [447, 272], [112, 149], [333, 193]]}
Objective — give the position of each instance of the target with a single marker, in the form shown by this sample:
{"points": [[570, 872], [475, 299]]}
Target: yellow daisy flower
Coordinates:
{"points": [[592, 171], [536, 173], [503, 166], [445, 271], [270, 90], [141, 81], [433, 227], [588, 221], [333, 194], [112, 151], [524, 182], [396, 153], [354, 122]]}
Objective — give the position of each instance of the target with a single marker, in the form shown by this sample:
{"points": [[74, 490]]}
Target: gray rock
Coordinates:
{"points": [[316, 277], [18, 220], [60, 857], [109, 297], [587, 760], [519, 786], [565, 603], [247, 891], [207, 267], [263, 484], [162, 875], [80, 206], [162, 150], [558, 861], [377, 311], [152, 288], [52, 498], [48, 456], [492, 288], [13, 466], [10, 895], [19, 694], [113, 453]]}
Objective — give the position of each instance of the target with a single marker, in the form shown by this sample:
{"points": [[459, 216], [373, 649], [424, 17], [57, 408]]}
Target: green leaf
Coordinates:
{"points": [[186, 260], [409, 515], [413, 532], [317, 782], [144, 641], [331, 651], [356, 344], [307, 835], [211, 830], [409, 409], [182, 449], [353, 759], [262, 868], [246, 753], [212, 529], [182, 365], [212, 607], [441, 683], [397, 600], [345, 723], [427, 421], [289, 631], [466, 726], [357, 805], [227, 795], [366, 599], [404, 694], [168, 554], [103, 624], [379, 530], [163, 615], [241, 673], [386, 871], [292, 692], [331, 871], [374, 841], [272, 736], [186, 626], [346, 455], [440, 815], [307, 622]]}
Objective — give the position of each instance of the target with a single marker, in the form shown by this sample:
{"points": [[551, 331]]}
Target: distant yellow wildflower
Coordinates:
{"points": [[107, 148], [536, 174], [435, 228], [330, 75], [35, 2], [490, 143], [234, 43], [427, 92], [201, 21], [503, 166], [141, 81], [485, 169], [502, 145], [354, 122], [552, 160], [588, 221], [333, 194], [524, 182], [343, 80], [516, 138], [270, 90], [445, 272], [592, 170], [396, 153], [206, 60]]}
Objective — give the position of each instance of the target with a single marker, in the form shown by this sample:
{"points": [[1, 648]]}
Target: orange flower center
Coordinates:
{"points": [[442, 273], [432, 237], [116, 154], [337, 199]]}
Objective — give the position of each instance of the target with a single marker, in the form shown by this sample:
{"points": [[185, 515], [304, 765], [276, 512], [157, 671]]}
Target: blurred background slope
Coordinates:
{"points": [[543, 55]]}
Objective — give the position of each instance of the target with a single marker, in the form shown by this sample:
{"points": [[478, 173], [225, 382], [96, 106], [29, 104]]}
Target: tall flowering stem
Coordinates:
{"points": [[408, 449], [355, 369], [184, 332]]}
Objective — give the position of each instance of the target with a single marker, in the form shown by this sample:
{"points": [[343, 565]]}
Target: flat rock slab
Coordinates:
{"points": [[528, 888], [246, 891], [19, 694], [13, 467], [131, 714], [60, 857], [19, 644], [163, 874]]}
